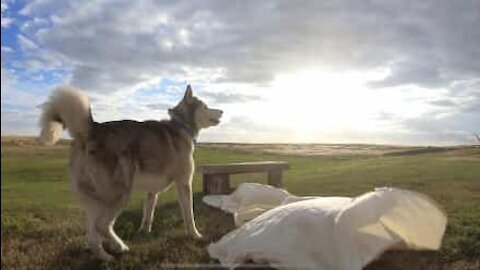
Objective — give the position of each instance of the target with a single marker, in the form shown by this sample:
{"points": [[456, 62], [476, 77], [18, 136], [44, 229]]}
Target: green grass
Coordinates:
{"points": [[43, 227]]}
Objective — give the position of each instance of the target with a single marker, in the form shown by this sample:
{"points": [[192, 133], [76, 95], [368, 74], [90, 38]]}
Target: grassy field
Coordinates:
{"points": [[43, 228]]}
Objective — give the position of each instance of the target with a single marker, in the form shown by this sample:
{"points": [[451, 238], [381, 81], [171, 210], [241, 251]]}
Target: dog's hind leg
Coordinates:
{"points": [[185, 199], [94, 238], [100, 220], [148, 212], [104, 225]]}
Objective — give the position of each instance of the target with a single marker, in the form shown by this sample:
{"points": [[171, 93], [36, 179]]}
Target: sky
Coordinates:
{"points": [[377, 72]]}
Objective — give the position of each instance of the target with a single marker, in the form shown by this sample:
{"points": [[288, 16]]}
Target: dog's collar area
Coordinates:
{"points": [[181, 124]]}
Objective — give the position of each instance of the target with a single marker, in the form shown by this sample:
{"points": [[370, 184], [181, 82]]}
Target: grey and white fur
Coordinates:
{"points": [[109, 160]]}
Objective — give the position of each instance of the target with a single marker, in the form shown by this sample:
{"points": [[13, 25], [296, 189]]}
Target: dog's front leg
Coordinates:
{"points": [[148, 212], [184, 190]]}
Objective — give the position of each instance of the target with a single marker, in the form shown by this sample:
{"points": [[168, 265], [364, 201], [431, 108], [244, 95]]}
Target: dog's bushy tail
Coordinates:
{"points": [[67, 108]]}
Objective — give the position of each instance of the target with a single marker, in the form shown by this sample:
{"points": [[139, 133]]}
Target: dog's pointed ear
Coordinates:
{"points": [[188, 93]]}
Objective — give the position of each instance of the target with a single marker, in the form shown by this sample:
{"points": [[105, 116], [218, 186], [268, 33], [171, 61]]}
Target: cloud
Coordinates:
{"points": [[452, 119], [116, 49], [422, 42], [12, 95], [443, 103], [226, 97], [19, 123], [6, 49], [25, 43], [7, 79], [31, 27], [6, 21], [452, 129], [420, 72], [240, 129], [19, 112], [158, 106]]}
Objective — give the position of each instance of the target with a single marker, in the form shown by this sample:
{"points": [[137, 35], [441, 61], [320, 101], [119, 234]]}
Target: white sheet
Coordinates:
{"points": [[293, 232]]}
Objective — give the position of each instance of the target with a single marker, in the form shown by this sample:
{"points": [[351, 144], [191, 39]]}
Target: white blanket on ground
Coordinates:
{"points": [[293, 232]]}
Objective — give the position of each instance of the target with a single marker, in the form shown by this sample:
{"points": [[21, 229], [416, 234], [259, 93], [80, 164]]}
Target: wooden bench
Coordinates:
{"points": [[216, 177]]}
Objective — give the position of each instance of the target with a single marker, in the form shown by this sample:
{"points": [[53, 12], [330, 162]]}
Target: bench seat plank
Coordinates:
{"points": [[216, 177]]}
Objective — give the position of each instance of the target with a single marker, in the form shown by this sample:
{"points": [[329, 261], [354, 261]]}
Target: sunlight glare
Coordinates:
{"points": [[313, 99], [315, 105]]}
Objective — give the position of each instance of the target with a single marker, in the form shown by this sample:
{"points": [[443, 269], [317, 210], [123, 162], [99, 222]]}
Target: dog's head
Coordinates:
{"points": [[194, 112]]}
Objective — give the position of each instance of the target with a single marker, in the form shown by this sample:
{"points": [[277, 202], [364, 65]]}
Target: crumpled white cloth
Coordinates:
{"points": [[292, 232]]}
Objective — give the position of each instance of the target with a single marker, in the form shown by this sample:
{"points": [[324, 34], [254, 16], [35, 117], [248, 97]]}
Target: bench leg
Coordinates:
{"points": [[275, 178], [205, 179], [216, 184]]}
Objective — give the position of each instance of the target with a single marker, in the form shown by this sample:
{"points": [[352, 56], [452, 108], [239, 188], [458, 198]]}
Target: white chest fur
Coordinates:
{"points": [[150, 182]]}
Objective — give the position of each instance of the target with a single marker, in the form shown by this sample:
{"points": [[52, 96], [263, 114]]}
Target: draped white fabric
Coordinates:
{"points": [[294, 232]]}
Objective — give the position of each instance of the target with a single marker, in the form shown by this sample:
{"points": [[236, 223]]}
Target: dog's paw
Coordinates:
{"points": [[104, 256], [124, 248], [196, 235], [116, 247]]}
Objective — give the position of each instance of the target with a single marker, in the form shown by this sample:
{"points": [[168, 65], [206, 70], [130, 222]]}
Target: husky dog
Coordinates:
{"points": [[109, 160]]}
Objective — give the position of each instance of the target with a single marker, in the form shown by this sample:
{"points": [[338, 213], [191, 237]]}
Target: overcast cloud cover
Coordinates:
{"points": [[398, 72]]}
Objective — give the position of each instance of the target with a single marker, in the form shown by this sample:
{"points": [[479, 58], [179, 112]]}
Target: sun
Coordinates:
{"points": [[315, 105], [315, 99]]}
